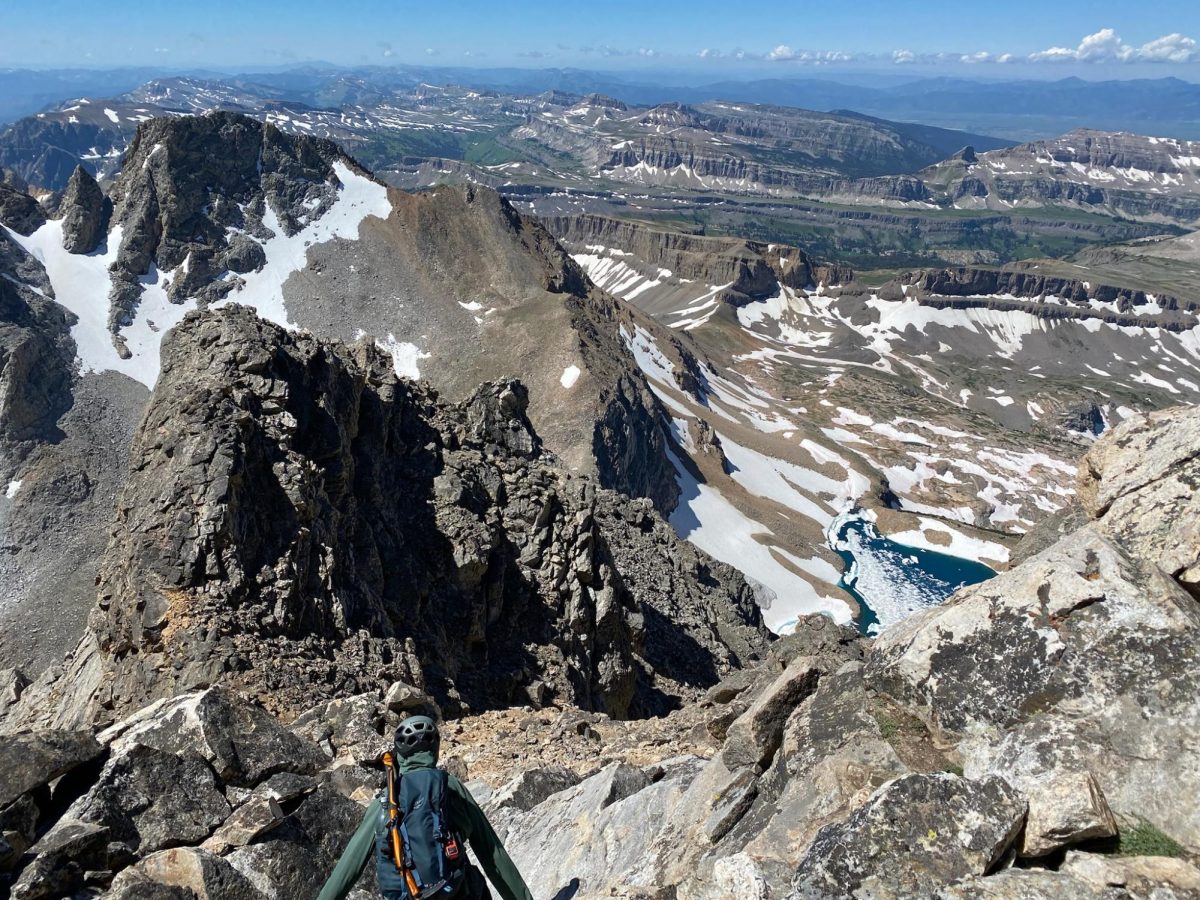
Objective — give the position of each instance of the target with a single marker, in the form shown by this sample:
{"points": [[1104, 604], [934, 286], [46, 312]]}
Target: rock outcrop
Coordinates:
{"points": [[301, 523], [85, 212], [1009, 670], [36, 357], [184, 208], [19, 211]]}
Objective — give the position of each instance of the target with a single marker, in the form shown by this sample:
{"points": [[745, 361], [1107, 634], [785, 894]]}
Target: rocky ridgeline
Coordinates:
{"points": [[743, 148], [1005, 288], [19, 211], [754, 270], [1035, 737], [45, 151], [299, 522]]}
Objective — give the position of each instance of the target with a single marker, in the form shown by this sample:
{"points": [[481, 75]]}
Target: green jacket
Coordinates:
{"points": [[468, 820]]}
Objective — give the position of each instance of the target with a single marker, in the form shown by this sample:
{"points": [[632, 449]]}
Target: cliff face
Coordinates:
{"points": [[1138, 177], [751, 269], [1120, 306], [299, 522]]}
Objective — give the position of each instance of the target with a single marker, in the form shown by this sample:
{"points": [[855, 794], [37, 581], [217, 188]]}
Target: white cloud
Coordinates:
{"points": [[1174, 48], [429, 51], [900, 57], [1106, 46], [709, 53], [784, 53]]}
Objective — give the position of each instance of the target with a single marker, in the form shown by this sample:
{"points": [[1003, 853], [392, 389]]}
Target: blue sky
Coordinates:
{"points": [[1103, 38]]}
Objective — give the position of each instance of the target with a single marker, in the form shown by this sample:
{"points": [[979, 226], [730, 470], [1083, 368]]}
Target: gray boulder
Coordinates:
{"points": [[915, 834], [257, 814], [595, 835], [404, 698], [1087, 876], [529, 788], [355, 728], [18, 829], [183, 873], [241, 742], [755, 736], [832, 758], [152, 799], [294, 859], [61, 859], [1140, 484], [34, 759]]}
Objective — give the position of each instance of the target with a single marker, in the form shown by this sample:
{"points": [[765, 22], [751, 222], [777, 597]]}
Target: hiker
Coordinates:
{"points": [[415, 831]]}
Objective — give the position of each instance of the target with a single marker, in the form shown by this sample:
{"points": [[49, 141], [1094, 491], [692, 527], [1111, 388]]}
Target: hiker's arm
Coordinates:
{"points": [[354, 857], [489, 851]]}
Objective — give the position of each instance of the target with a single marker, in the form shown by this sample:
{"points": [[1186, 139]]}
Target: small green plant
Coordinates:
{"points": [[1145, 839], [888, 727], [954, 768]]}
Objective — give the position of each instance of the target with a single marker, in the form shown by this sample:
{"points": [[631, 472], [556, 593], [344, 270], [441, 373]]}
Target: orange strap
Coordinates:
{"points": [[394, 818], [393, 812]]}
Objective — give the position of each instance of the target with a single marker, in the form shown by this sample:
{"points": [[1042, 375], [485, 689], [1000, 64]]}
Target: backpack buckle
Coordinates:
{"points": [[430, 890]]}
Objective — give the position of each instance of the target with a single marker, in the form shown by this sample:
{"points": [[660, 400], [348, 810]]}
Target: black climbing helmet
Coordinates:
{"points": [[417, 733]]}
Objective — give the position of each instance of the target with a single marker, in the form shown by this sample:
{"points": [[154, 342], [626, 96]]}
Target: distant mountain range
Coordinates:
{"points": [[861, 189], [1016, 110], [738, 148]]}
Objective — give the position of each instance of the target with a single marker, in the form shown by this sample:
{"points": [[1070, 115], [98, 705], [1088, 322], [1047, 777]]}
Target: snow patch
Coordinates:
{"points": [[358, 198], [713, 524], [570, 375], [961, 545], [405, 357], [13, 487]]}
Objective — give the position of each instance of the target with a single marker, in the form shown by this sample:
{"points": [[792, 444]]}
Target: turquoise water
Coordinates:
{"points": [[891, 581]]}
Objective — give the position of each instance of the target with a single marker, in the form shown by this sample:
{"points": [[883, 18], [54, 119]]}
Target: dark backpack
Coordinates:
{"points": [[432, 850]]}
